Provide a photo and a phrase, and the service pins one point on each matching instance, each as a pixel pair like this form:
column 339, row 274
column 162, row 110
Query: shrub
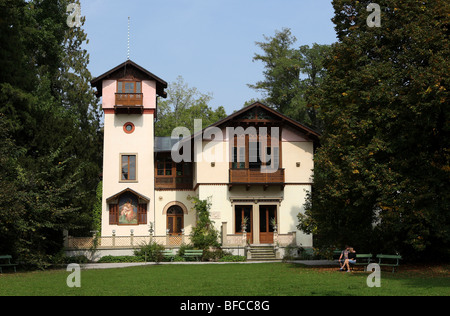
column 152, row 252
column 183, row 248
column 231, row 258
column 120, row 259
column 62, row 258
column 204, row 235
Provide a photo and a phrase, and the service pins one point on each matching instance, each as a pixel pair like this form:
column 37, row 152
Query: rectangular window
column 113, row 214
column 142, row 214
column 180, row 170
column 253, row 155
column 171, row 175
column 129, row 168
column 238, row 162
column 166, row 167
column 275, row 156
column 129, row 87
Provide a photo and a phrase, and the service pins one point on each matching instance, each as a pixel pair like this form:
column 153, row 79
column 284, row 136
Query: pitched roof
column 160, row 84
column 309, row 132
column 116, row 196
column 299, row 126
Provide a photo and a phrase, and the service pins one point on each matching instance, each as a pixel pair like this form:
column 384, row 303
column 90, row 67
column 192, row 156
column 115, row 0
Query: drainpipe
column 154, row 160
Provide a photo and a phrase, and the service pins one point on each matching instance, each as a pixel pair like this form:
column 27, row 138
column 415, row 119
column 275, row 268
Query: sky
column 210, row 43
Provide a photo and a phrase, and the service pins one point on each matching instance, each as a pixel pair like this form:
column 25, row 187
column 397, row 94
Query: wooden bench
column 363, row 259
column 193, row 254
column 336, row 255
column 392, row 261
column 308, row 253
column 9, row 264
column 168, row 254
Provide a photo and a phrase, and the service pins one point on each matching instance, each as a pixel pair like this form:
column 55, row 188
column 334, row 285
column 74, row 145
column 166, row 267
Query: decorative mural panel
column 128, row 209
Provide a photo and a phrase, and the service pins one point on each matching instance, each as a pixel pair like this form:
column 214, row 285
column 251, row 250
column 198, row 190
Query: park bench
column 389, row 260
column 308, row 253
column 336, row 255
column 168, row 254
column 4, row 264
column 363, row 259
column 193, row 254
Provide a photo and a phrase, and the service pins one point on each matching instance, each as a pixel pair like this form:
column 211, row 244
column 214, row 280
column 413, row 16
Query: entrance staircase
column 261, row 253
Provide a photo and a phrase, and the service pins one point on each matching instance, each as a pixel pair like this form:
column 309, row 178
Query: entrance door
column 266, row 215
column 243, row 213
column 175, row 219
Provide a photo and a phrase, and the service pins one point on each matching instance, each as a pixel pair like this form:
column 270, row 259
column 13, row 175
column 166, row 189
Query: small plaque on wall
column 216, row 215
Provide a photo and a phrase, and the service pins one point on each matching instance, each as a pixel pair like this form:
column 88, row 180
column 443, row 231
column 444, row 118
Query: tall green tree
column 290, row 73
column 282, row 65
column 49, row 112
column 382, row 172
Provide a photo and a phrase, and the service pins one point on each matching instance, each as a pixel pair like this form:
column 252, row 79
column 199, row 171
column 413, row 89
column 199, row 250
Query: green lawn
column 272, row 279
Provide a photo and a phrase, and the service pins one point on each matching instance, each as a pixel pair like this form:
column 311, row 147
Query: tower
column 129, row 100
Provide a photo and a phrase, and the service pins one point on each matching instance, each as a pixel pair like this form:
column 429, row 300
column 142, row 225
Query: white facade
column 143, row 189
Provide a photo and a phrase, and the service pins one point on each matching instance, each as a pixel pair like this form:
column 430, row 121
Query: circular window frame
column 132, row 128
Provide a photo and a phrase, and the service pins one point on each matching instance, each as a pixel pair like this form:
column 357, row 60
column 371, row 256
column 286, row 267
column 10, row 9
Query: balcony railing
column 255, row 176
column 180, row 183
column 129, row 99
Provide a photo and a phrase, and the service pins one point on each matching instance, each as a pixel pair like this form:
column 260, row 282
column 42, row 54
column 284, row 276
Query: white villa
column 146, row 191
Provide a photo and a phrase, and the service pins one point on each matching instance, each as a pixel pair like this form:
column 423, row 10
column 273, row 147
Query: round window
column 128, row 128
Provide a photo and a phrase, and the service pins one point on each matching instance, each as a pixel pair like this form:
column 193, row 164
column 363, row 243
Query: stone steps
column 262, row 253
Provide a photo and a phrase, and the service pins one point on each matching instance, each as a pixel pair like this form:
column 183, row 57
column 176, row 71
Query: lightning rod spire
column 128, row 48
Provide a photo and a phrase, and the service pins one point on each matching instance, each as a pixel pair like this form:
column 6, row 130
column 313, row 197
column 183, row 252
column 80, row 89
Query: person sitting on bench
column 344, row 257
column 351, row 259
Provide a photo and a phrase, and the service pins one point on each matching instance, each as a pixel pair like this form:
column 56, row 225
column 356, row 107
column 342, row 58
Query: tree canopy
column 50, row 131
column 382, row 171
column 290, row 73
column 182, row 106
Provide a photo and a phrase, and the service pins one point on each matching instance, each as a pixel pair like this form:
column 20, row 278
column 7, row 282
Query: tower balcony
column 129, row 103
column 129, row 99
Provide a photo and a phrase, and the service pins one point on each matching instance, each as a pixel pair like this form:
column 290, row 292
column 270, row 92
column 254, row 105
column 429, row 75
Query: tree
column 48, row 109
column 282, row 70
column 289, row 75
column 382, row 172
column 183, row 105
column 313, row 73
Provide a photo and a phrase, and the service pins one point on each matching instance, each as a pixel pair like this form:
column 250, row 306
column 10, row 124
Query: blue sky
column 210, row 43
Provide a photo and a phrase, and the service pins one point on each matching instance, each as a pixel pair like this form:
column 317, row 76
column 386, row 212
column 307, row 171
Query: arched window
column 175, row 220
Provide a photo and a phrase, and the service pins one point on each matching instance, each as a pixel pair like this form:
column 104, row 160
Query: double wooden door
column 267, row 214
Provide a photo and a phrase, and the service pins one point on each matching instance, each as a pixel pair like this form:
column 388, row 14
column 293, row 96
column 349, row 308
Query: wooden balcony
column 251, row 177
column 129, row 99
column 129, row 103
column 174, row 183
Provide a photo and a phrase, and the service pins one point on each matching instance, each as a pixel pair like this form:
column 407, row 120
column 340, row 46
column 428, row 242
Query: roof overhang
column 121, row 69
column 307, row 131
column 115, row 198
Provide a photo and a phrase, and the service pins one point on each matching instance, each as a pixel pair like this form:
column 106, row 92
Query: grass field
column 272, row 279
